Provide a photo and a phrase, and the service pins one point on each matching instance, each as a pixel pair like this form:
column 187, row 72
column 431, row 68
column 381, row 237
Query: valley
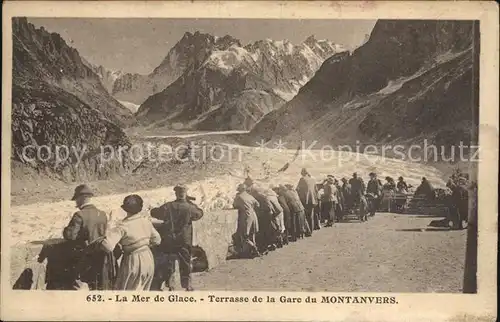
column 221, row 93
column 338, row 105
column 215, row 111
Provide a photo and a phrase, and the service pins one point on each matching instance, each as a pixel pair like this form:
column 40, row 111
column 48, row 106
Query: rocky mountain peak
column 227, row 41
column 193, row 37
column 310, row 41
column 201, row 39
column 63, row 59
column 228, row 79
column 191, row 50
column 187, row 35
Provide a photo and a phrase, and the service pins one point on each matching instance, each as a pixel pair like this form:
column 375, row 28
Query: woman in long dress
column 135, row 234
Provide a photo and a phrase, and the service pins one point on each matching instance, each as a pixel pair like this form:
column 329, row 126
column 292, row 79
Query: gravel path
column 390, row 253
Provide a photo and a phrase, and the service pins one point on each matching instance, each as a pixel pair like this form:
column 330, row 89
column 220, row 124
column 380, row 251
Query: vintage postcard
column 241, row 160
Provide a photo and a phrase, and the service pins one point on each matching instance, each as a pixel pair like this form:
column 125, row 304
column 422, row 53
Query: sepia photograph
column 178, row 155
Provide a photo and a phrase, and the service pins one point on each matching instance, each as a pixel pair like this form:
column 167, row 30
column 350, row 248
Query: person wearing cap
column 177, row 236
column 85, row 229
column 248, row 225
column 308, row 194
column 135, row 234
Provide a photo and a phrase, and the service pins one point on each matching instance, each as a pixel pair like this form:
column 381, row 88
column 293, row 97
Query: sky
column 138, row 45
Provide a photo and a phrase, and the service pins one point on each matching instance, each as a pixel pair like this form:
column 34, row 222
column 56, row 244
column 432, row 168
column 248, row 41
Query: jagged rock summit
column 228, row 86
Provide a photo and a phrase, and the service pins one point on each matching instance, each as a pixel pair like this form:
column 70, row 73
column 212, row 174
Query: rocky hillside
column 46, row 56
column 58, row 101
column 412, row 80
column 231, row 87
column 189, row 51
column 107, row 77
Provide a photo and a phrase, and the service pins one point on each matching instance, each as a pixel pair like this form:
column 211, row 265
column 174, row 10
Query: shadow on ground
column 424, row 230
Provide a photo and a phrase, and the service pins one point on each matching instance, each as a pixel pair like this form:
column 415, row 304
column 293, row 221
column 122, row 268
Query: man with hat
column 86, row 228
column 177, row 236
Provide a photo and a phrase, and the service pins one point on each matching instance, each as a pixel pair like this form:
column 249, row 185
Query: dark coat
column 93, row 265
column 247, row 207
column 177, row 226
column 347, row 196
column 402, row 186
column 87, row 225
column 460, row 198
column 298, row 218
column 293, row 201
column 265, row 206
column 426, row 189
column 307, row 190
column 374, row 187
column 357, row 186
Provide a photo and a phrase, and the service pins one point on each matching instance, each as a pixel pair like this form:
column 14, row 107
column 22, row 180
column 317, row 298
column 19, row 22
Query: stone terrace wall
column 213, row 233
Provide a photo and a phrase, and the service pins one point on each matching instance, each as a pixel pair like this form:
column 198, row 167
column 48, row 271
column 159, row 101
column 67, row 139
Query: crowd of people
column 269, row 218
column 137, row 255
column 133, row 255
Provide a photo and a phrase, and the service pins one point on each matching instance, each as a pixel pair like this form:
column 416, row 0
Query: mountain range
column 411, row 80
column 215, row 83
